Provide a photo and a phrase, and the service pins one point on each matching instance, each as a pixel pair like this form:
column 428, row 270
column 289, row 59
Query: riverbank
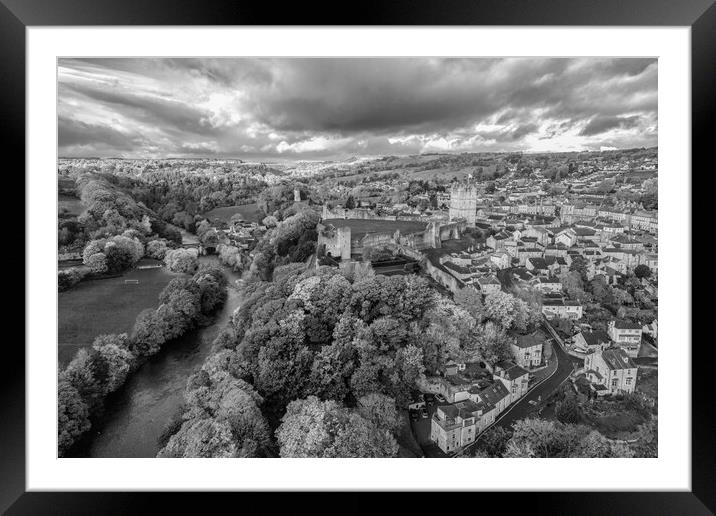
column 137, row 414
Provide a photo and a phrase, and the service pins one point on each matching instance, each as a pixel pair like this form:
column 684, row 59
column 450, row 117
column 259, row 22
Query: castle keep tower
column 463, row 203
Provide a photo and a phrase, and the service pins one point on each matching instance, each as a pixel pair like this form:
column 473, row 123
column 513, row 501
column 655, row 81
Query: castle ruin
column 463, row 203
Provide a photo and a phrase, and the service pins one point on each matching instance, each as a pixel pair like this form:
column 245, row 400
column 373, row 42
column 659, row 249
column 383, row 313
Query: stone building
column 463, row 203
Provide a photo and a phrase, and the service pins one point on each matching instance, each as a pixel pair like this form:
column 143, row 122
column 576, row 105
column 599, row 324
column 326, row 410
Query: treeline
column 172, row 186
column 175, row 192
column 96, row 372
column 292, row 239
column 539, row 438
column 110, row 211
column 114, row 232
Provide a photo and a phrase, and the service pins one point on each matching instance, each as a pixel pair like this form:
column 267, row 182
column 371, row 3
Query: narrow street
column 564, row 367
column 545, row 389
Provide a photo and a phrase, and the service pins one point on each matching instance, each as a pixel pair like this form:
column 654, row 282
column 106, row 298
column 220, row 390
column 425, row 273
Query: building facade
column 611, row 368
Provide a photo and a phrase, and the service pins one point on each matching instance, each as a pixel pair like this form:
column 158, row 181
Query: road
column 545, row 389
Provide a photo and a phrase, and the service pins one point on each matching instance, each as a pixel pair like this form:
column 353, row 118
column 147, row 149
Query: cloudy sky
column 284, row 109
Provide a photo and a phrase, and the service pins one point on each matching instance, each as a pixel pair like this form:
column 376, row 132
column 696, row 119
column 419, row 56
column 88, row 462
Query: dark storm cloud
column 312, row 108
column 601, row 124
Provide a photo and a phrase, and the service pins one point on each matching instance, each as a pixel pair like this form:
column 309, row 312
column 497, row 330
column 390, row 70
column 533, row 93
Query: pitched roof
column 537, row 262
column 616, row 358
column 527, row 341
column 626, row 325
column 596, row 337
column 512, row 370
column 494, row 393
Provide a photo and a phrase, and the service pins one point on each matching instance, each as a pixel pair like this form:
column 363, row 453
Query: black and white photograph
column 357, row 257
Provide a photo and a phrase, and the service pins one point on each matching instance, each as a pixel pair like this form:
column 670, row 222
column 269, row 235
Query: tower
column 463, row 203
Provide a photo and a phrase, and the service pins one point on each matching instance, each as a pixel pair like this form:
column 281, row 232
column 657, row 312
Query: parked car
column 440, row 398
column 424, row 412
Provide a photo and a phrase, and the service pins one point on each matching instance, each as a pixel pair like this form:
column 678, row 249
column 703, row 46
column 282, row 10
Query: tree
column 149, row 333
column 499, row 307
column 579, row 264
column 211, row 293
column 88, row 373
column 493, row 342
column 546, row 438
column 647, row 444
column 573, row 285
column 270, row 221
column 201, row 438
column 568, row 410
column 118, row 258
column 408, row 370
column 72, row 415
column 232, row 257
column 380, row 409
column 642, row 271
column 494, row 441
column 350, row 203
column 97, row 263
column 68, row 278
column 182, row 260
column 471, row 300
column 540, row 438
column 622, row 297
column 157, row 249
column 315, row 428
column 601, row 292
column 213, row 393
column 115, row 351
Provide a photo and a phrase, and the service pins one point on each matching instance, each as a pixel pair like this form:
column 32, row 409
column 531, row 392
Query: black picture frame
column 700, row 15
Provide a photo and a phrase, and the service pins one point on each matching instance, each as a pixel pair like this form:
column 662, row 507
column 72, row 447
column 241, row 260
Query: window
column 628, row 381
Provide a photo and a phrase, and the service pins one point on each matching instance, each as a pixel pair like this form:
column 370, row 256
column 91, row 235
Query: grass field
column 72, row 204
column 360, row 227
column 249, row 212
column 105, row 306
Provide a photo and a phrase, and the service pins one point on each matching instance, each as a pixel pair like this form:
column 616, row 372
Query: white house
column 566, row 237
column 569, row 309
column 611, row 368
column 626, row 335
column 452, row 427
column 527, row 350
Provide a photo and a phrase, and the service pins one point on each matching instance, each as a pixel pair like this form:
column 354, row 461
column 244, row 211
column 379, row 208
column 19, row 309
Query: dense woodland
column 343, row 352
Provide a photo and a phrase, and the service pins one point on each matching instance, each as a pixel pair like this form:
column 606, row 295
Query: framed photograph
column 276, row 250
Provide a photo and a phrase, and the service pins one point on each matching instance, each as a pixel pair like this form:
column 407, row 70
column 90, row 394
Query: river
column 136, row 415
